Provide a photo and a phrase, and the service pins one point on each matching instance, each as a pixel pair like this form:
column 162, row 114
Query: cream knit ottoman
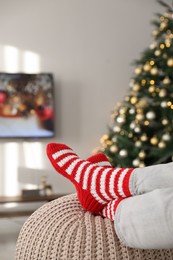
column 62, row 230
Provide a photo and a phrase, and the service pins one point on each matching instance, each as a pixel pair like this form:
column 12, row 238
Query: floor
column 9, row 231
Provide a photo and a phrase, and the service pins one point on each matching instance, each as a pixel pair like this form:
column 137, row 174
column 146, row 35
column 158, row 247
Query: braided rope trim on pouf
column 62, row 230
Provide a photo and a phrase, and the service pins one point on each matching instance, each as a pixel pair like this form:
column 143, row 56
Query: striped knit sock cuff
column 109, row 210
column 99, row 159
column 126, row 183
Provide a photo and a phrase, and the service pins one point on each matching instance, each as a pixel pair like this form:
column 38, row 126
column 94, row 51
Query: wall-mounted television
column 26, row 105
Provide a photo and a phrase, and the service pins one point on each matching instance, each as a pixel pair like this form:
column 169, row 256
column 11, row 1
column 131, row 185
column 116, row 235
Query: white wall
column 89, row 46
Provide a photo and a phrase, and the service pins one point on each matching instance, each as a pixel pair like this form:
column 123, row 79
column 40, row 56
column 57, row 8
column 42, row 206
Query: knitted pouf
column 62, row 230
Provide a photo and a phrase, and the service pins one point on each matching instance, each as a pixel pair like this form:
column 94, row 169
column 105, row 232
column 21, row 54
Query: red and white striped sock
column 95, row 185
column 109, row 210
column 99, row 159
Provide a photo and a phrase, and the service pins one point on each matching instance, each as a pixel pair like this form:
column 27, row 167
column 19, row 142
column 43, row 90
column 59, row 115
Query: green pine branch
column 165, row 5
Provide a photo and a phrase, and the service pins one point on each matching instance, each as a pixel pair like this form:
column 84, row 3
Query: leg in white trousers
column 146, row 221
column 153, row 177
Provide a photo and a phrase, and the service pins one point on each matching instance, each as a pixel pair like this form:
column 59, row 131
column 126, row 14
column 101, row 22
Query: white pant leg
column 146, row 221
column 153, row 177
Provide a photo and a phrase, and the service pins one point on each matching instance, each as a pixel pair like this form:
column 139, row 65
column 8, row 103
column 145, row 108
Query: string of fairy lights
column 143, row 119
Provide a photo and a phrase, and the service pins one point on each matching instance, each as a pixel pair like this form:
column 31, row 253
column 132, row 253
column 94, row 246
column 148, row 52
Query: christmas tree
column 140, row 132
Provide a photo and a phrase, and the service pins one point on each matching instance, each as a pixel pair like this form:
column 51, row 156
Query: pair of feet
column 100, row 188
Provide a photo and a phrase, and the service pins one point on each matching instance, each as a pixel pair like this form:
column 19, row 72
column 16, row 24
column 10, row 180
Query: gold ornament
column 138, row 70
column 144, row 138
column 140, row 117
column 162, row 26
column 142, row 103
column 147, row 67
column 143, row 82
column 170, row 62
column 166, row 81
column 116, row 129
column 161, row 145
column 157, row 53
column 104, row 138
column 162, row 18
column 142, row 154
column 130, row 135
column 151, row 62
column 152, row 82
column 108, row 142
column 114, row 148
column 162, row 46
column 165, row 121
column 133, row 100
column 153, row 45
column 146, row 122
column 162, row 93
column 138, row 143
column 123, row 110
column 155, row 33
column 141, row 164
column 154, row 140
column 136, row 162
column 151, row 89
column 139, row 110
column 136, row 87
column 168, row 45
column 154, row 71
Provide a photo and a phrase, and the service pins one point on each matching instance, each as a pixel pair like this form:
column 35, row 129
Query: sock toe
column 55, row 147
column 60, row 156
column 99, row 159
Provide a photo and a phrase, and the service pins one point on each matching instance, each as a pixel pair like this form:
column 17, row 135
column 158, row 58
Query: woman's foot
column 95, row 185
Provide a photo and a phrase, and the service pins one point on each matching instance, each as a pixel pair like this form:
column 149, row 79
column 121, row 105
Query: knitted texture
column 95, row 185
column 109, row 210
column 62, row 230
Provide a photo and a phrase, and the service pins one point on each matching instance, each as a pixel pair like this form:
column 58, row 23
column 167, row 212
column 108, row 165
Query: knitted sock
column 143, row 180
column 95, row 185
column 99, row 159
column 109, row 210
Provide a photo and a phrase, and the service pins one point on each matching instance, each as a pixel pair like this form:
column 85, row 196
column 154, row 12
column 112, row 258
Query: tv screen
column 26, row 105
